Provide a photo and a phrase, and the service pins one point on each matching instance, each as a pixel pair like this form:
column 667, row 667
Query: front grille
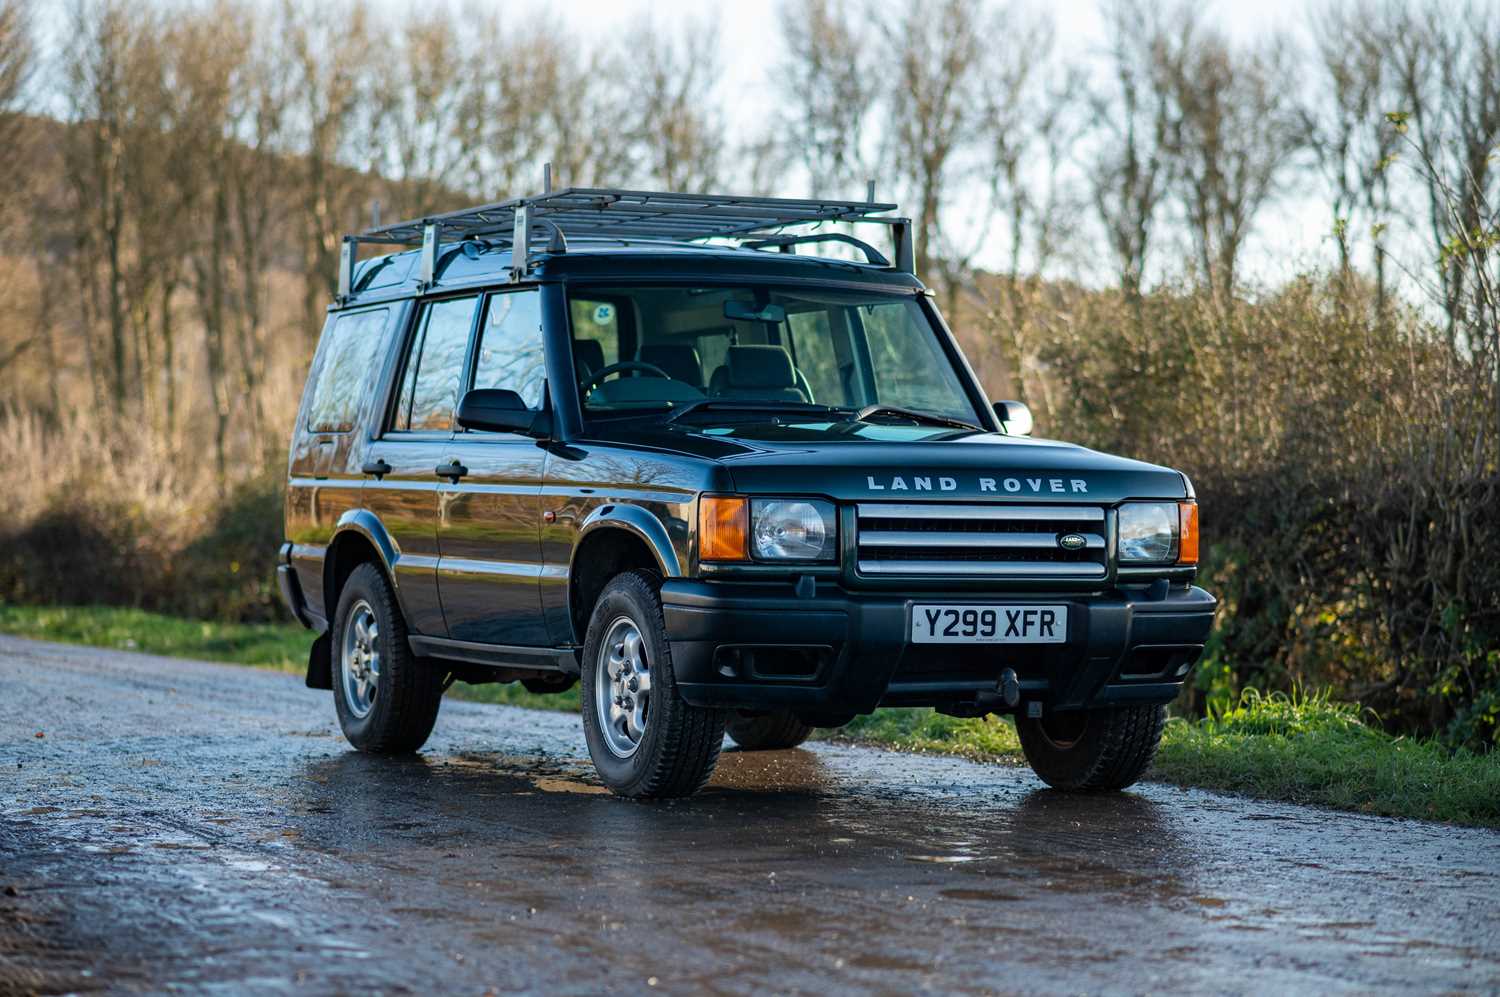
column 980, row 541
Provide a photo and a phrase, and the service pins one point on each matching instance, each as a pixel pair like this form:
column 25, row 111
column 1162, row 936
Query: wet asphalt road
column 204, row 827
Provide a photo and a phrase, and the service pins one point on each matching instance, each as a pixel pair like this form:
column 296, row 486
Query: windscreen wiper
column 930, row 418
column 751, row 405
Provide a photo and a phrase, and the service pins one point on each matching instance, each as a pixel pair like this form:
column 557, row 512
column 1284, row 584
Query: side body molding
column 642, row 523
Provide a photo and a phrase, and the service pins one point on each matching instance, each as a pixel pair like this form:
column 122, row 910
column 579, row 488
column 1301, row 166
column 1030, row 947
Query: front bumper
column 838, row 652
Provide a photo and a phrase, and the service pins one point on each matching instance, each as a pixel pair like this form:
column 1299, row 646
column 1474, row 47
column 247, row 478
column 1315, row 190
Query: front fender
column 638, row 521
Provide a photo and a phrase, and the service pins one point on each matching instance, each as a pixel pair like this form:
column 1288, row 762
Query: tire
column 651, row 746
column 767, row 731
column 1093, row 751
column 393, row 714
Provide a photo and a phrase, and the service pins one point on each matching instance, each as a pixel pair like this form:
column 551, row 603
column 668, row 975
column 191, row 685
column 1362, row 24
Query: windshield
column 658, row 349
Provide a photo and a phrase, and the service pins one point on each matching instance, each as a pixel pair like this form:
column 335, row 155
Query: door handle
column 377, row 467
column 452, row 470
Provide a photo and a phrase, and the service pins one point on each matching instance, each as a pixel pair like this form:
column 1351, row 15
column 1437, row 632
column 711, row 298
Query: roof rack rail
column 597, row 212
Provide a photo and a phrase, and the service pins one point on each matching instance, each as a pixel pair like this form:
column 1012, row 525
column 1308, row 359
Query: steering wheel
column 620, row 368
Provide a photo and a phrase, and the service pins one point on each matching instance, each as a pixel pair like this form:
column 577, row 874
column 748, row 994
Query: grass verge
column 279, row 646
column 1307, row 749
column 1302, row 749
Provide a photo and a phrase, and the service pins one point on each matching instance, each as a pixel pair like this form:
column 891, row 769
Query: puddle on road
column 989, row 896
column 569, row 786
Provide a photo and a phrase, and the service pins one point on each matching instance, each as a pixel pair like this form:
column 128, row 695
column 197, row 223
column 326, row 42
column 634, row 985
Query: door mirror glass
column 499, row 410
column 1015, row 418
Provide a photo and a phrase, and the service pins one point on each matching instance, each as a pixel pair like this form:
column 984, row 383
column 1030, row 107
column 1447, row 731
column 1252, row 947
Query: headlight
column 792, row 530
column 1148, row 532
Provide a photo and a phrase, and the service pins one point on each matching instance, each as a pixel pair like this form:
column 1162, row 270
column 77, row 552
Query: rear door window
column 351, row 353
column 435, row 367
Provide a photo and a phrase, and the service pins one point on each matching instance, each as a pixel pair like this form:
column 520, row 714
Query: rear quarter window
column 351, row 351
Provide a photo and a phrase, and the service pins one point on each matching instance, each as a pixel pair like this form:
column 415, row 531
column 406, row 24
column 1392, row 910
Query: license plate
column 934, row 624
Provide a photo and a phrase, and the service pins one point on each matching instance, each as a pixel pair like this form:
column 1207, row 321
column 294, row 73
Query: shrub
column 124, row 519
column 228, row 571
column 1344, row 452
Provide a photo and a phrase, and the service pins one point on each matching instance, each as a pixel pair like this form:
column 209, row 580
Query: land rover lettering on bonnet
column 722, row 464
column 1035, row 486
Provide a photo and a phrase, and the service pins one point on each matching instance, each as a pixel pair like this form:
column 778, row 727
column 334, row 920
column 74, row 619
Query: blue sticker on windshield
column 604, row 314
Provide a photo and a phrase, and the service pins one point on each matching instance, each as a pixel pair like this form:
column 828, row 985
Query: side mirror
column 1015, row 418
column 501, row 410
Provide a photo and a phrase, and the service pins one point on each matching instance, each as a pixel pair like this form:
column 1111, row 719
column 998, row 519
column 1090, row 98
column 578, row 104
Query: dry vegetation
column 177, row 177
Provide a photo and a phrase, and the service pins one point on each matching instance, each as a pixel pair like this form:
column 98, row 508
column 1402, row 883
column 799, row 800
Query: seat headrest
column 760, row 367
column 588, row 356
column 678, row 359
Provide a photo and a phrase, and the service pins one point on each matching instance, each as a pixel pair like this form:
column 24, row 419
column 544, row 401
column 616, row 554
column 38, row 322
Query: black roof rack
column 596, row 212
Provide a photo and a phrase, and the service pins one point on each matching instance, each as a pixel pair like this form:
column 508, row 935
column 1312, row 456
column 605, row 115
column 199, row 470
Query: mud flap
column 320, row 663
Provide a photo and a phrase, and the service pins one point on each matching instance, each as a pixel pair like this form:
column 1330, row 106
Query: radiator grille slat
column 945, row 538
column 977, row 541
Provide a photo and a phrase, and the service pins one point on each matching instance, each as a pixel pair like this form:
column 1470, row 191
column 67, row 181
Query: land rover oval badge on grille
column 1072, row 541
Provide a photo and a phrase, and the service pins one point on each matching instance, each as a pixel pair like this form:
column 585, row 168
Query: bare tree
column 559, row 100
column 1026, row 125
column 1232, row 132
column 105, row 71
column 210, row 49
column 256, row 185
column 579, row 94
column 330, row 70
column 420, row 132
column 501, row 113
column 1446, row 61
column 1130, row 169
column 674, row 114
column 17, row 59
column 934, row 109
column 826, row 82
column 1342, row 124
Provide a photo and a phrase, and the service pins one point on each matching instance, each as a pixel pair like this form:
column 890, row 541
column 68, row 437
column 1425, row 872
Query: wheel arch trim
column 367, row 525
column 635, row 520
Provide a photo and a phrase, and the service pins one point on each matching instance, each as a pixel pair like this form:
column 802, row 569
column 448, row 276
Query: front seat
column 757, row 372
column 588, row 358
column 680, row 360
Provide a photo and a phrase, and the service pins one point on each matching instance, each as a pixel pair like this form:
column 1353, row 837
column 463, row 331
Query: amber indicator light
column 1188, row 547
column 723, row 528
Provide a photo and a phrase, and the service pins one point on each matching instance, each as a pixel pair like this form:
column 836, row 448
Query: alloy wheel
column 622, row 688
column 359, row 660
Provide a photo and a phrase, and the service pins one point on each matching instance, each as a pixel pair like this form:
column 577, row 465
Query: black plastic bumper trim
column 291, row 592
column 873, row 663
